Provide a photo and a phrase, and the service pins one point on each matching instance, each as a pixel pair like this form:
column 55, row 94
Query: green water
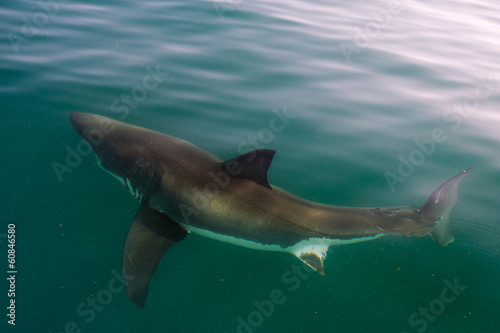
column 369, row 84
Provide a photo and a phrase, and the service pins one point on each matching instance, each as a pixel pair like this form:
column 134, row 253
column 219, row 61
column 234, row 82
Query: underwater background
column 385, row 100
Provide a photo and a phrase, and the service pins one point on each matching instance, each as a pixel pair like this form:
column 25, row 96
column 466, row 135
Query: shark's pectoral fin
column 313, row 256
column 151, row 234
column 252, row 165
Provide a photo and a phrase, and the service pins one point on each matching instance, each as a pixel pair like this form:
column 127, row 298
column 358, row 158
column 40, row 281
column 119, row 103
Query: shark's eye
column 94, row 136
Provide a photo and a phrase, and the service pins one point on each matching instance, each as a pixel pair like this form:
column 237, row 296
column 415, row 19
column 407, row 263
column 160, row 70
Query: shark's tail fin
column 439, row 206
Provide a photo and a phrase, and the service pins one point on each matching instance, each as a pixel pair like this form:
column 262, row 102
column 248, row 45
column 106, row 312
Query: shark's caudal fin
column 152, row 233
column 439, row 206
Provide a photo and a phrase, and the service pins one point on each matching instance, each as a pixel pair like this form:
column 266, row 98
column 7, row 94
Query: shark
column 184, row 189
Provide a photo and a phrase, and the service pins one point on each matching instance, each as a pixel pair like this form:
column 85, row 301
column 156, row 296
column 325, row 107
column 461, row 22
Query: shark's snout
column 74, row 121
column 78, row 121
column 92, row 127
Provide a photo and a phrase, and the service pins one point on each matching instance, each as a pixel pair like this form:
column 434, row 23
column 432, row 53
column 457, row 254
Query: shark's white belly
column 306, row 245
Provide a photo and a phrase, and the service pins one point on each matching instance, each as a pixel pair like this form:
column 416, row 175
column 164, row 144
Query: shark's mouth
column 134, row 190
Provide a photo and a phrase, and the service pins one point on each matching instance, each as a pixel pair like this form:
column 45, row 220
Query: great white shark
column 183, row 188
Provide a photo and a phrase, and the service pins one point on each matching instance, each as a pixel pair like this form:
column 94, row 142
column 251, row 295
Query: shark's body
column 183, row 189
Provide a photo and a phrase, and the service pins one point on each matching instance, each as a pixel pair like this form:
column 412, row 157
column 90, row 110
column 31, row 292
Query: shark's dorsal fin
column 152, row 233
column 252, row 165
